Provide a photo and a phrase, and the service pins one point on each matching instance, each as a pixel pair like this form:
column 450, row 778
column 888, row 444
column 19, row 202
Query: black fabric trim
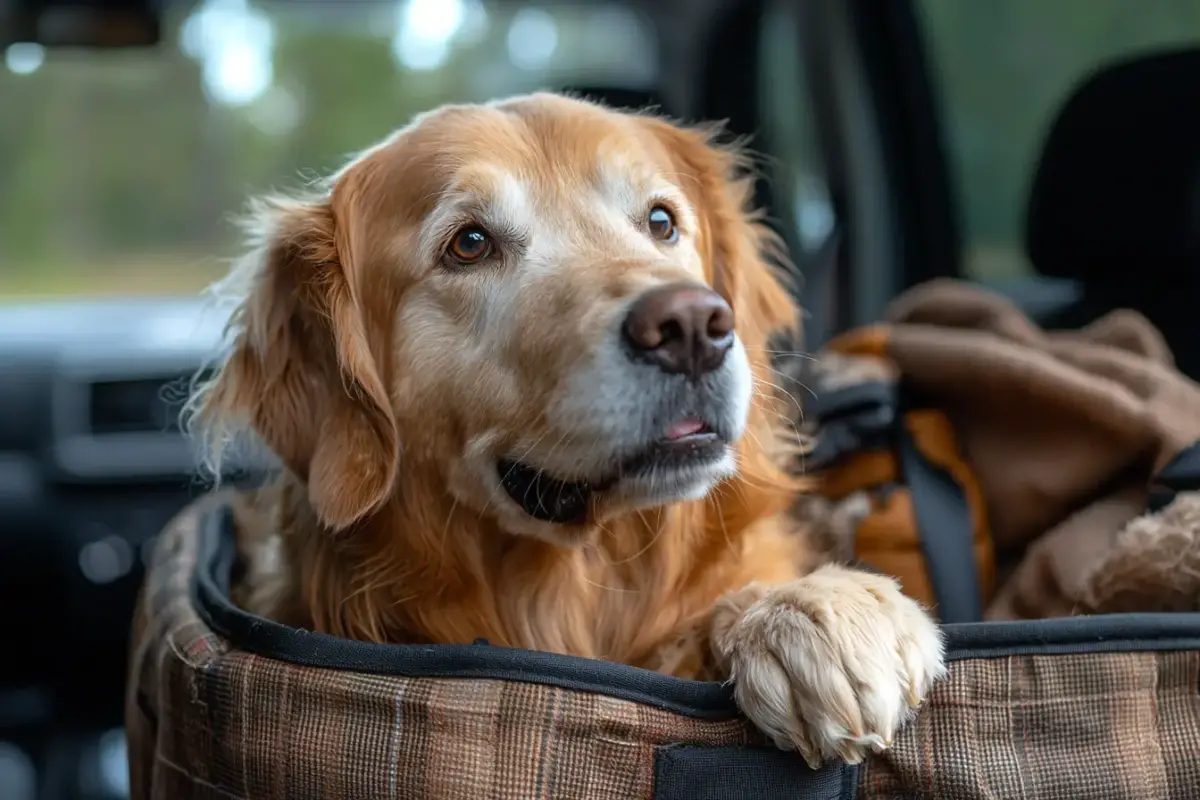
column 1074, row 649
column 210, row 596
column 685, row 772
column 1160, row 499
column 855, row 399
column 850, row 420
column 1109, row 633
column 1182, row 473
column 943, row 520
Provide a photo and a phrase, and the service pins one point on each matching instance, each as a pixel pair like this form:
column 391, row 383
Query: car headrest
column 1117, row 191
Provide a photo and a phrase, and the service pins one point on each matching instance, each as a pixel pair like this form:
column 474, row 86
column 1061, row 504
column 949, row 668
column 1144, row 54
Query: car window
column 1003, row 70
column 121, row 169
column 789, row 127
column 801, row 208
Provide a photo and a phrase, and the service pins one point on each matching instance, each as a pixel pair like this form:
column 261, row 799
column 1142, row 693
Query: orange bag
column 928, row 524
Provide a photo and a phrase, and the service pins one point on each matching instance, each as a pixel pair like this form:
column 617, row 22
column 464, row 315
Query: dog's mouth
column 689, row 443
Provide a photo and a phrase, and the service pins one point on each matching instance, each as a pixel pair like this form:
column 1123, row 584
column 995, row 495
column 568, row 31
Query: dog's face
column 542, row 299
column 559, row 315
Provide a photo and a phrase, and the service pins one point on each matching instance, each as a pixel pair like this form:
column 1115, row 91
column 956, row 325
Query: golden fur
column 376, row 377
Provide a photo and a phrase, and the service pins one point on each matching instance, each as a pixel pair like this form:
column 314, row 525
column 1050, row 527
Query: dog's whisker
column 788, row 394
column 487, row 504
column 725, row 528
column 645, row 549
column 799, row 356
column 795, row 380
column 791, row 425
column 564, row 438
column 442, row 538
column 602, row 556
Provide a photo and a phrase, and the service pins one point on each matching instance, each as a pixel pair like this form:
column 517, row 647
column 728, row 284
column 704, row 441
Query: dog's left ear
column 307, row 368
column 744, row 256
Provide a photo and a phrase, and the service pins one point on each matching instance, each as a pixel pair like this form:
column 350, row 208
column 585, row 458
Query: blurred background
column 120, row 168
column 908, row 131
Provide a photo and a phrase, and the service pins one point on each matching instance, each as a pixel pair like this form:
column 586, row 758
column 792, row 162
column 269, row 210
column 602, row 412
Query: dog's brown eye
column 662, row 225
column 470, row 245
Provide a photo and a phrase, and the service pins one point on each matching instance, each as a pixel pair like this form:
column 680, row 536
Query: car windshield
column 122, row 168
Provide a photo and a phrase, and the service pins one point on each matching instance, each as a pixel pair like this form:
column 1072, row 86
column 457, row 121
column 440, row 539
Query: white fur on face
column 606, row 407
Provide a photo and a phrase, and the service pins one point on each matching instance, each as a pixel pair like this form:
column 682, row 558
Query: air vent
column 116, row 416
column 141, row 405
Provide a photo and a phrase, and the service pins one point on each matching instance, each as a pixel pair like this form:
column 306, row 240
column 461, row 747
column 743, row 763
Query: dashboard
column 92, row 465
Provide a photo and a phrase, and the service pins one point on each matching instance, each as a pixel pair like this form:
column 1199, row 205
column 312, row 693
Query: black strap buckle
column 850, row 420
column 1181, row 474
column 868, row 416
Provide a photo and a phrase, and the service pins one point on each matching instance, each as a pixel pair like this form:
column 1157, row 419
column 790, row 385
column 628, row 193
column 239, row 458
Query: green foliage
column 110, row 162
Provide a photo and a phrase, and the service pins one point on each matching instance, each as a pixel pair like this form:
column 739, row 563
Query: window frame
column 880, row 140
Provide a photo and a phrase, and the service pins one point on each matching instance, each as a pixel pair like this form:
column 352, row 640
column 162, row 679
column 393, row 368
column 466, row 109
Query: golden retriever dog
column 514, row 364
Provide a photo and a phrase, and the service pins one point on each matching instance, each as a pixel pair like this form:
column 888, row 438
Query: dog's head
column 561, row 309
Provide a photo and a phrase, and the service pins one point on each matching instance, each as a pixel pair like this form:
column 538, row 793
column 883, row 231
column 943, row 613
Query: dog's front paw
column 831, row 664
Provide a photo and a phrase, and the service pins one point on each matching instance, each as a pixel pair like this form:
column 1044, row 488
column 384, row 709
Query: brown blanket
column 1065, row 431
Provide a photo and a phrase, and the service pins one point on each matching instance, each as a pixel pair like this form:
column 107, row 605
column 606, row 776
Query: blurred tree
column 118, row 171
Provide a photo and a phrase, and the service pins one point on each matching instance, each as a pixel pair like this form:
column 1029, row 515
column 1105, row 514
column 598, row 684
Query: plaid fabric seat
column 211, row 718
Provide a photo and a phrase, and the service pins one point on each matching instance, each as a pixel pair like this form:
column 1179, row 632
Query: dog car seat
column 1115, row 200
column 224, row 704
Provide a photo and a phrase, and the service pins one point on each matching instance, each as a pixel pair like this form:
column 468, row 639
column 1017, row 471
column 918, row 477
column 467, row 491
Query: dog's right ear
column 300, row 374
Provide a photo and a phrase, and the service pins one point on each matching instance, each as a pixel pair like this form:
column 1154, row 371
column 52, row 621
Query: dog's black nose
column 683, row 328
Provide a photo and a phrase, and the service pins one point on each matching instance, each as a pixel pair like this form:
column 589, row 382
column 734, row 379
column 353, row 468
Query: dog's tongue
column 685, row 427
